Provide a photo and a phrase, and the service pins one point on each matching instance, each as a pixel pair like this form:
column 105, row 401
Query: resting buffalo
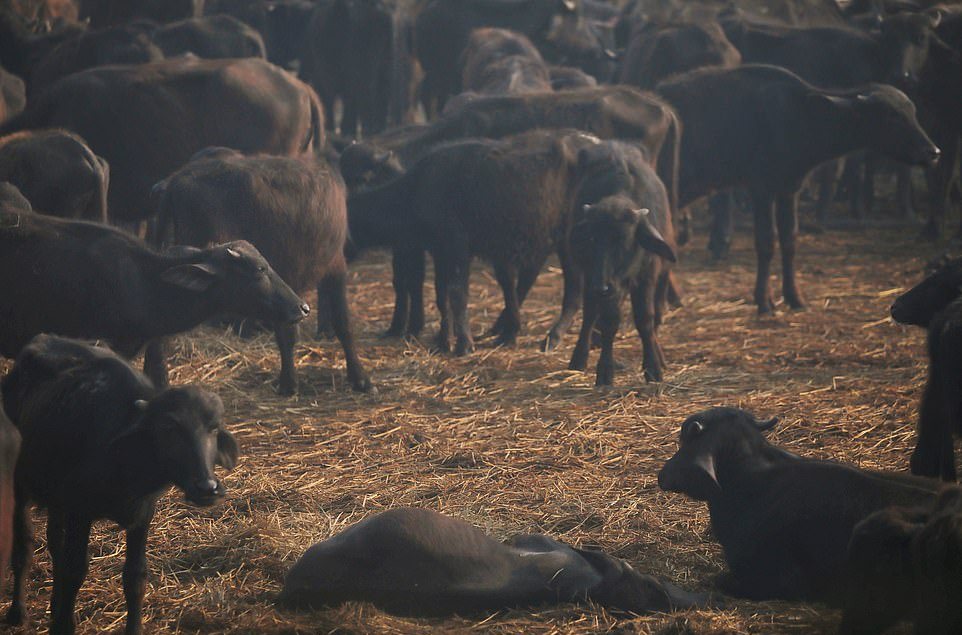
column 148, row 120
column 100, row 442
column 773, row 130
column 783, row 521
column 293, row 210
column 906, row 563
column 57, row 173
column 501, row 62
column 934, row 304
column 419, row 562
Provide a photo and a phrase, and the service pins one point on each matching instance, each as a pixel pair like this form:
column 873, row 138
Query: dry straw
column 511, row 441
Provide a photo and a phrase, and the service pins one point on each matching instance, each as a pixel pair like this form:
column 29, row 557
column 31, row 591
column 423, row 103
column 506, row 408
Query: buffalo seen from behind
column 101, row 442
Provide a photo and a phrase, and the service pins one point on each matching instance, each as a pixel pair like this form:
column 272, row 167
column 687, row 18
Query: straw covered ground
column 511, row 441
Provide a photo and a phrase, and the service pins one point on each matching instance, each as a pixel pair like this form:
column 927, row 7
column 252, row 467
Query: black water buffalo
column 125, row 44
column 101, row 443
column 283, row 24
column 906, row 564
column 501, row 62
column 656, row 52
column 419, row 562
column 13, row 95
column 57, row 173
column 783, row 521
column 293, row 210
column 9, row 449
column 110, row 12
column 210, row 37
column 147, row 120
column 624, row 244
column 935, row 304
column 442, row 28
column 112, row 287
column 895, row 55
column 359, row 51
column 510, row 202
column 773, row 130
column 11, row 198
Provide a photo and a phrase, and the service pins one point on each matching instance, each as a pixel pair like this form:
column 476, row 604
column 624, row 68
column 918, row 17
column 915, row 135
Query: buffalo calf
column 101, row 443
column 419, row 562
column 906, row 564
column 935, row 305
column 293, row 210
column 88, row 280
column 783, row 521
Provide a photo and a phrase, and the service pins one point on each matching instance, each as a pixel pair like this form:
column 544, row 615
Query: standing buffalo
column 773, row 129
column 148, row 120
column 292, row 209
column 934, row 304
column 88, row 280
column 100, row 442
column 57, row 173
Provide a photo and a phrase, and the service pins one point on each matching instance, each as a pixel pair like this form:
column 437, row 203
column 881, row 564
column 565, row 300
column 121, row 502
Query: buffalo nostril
column 305, row 309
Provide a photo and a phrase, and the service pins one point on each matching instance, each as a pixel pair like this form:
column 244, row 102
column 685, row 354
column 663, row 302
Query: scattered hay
column 513, row 442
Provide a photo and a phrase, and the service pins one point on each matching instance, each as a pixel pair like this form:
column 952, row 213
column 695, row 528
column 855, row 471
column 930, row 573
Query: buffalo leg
column 416, row 294
column 939, row 180
column 927, row 455
column 570, row 302
column 458, row 295
column 608, row 322
column 408, row 281
column 721, row 210
column 74, row 571
column 286, row 337
column 55, row 541
column 589, row 316
column 135, row 577
column 764, row 250
column 324, row 329
column 787, row 218
column 335, row 285
column 155, row 362
column 21, row 555
column 441, row 284
column 903, row 174
column 508, row 324
column 643, row 305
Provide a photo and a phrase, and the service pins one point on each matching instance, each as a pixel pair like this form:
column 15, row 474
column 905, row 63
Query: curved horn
column 766, row 425
column 233, row 253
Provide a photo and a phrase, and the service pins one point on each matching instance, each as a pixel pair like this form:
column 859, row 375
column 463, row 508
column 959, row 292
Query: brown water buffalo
column 294, row 210
column 418, row 562
column 147, row 120
column 57, row 173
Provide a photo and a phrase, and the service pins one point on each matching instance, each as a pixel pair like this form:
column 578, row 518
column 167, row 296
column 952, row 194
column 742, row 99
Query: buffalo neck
column 171, row 308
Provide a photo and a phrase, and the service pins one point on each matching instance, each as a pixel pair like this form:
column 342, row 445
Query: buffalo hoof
column 14, row 616
column 325, row 333
column 550, row 342
column 362, row 384
column 654, row 375
column 506, row 339
column 392, row 333
column 930, row 232
column 463, row 347
column 287, row 388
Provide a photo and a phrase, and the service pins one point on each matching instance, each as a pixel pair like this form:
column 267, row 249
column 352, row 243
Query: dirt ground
column 510, row 440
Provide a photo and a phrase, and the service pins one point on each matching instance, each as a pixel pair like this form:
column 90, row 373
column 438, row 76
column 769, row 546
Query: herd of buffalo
column 164, row 163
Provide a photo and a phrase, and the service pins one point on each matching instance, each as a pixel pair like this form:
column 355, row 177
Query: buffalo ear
column 651, row 239
column 766, row 425
column 705, row 463
column 227, row 449
column 193, row 277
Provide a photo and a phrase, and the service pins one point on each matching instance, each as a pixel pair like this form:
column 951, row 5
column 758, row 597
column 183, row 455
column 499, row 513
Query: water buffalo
column 782, row 534
column 147, row 120
column 100, row 442
column 419, row 562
